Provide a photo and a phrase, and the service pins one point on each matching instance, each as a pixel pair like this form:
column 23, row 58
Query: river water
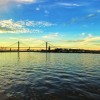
column 51, row 76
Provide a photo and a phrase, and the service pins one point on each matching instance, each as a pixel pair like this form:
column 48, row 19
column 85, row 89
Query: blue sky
column 66, row 23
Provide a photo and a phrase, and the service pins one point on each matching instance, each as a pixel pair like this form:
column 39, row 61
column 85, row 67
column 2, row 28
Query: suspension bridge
column 22, row 47
column 44, row 47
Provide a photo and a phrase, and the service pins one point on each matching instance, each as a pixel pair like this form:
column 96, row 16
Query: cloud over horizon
column 51, row 36
column 23, row 26
column 5, row 4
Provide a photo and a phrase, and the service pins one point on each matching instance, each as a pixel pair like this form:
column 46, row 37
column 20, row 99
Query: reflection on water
column 49, row 76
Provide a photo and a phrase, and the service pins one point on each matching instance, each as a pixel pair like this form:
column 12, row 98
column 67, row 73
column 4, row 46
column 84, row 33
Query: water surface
column 51, row 76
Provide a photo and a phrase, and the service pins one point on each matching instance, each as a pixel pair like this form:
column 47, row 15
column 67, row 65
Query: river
column 51, row 76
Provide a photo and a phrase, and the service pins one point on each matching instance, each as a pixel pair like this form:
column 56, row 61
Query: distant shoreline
column 50, row 52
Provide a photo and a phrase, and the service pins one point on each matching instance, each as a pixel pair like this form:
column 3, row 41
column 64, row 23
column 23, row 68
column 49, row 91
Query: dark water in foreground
column 40, row 76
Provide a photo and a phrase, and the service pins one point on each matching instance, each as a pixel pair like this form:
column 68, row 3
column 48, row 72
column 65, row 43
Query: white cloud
column 85, row 43
column 10, row 26
column 37, row 9
column 98, row 11
column 24, row 26
column 91, row 16
column 69, row 4
column 46, row 12
column 25, row 1
column 86, row 34
column 19, row 5
column 92, row 39
column 51, row 36
column 36, row 23
column 84, row 18
column 45, row 24
column 83, row 34
column 89, row 35
column 24, row 39
column 5, row 4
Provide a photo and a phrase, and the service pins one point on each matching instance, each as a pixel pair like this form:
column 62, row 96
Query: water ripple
column 40, row 76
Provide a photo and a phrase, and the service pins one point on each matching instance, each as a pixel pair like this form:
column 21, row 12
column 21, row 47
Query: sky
column 63, row 23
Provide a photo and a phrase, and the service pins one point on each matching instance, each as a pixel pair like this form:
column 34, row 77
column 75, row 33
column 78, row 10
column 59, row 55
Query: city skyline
column 68, row 23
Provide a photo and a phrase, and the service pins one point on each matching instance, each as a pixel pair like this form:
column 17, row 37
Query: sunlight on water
column 52, row 76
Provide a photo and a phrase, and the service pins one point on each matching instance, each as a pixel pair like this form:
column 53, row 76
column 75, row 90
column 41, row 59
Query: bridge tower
column 18, row 46
column 49, row 48
column 46, row 46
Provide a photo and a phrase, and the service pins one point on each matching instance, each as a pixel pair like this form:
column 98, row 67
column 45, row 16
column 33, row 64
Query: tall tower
column 18, row 46
column 46, row 46
column 49, row 48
